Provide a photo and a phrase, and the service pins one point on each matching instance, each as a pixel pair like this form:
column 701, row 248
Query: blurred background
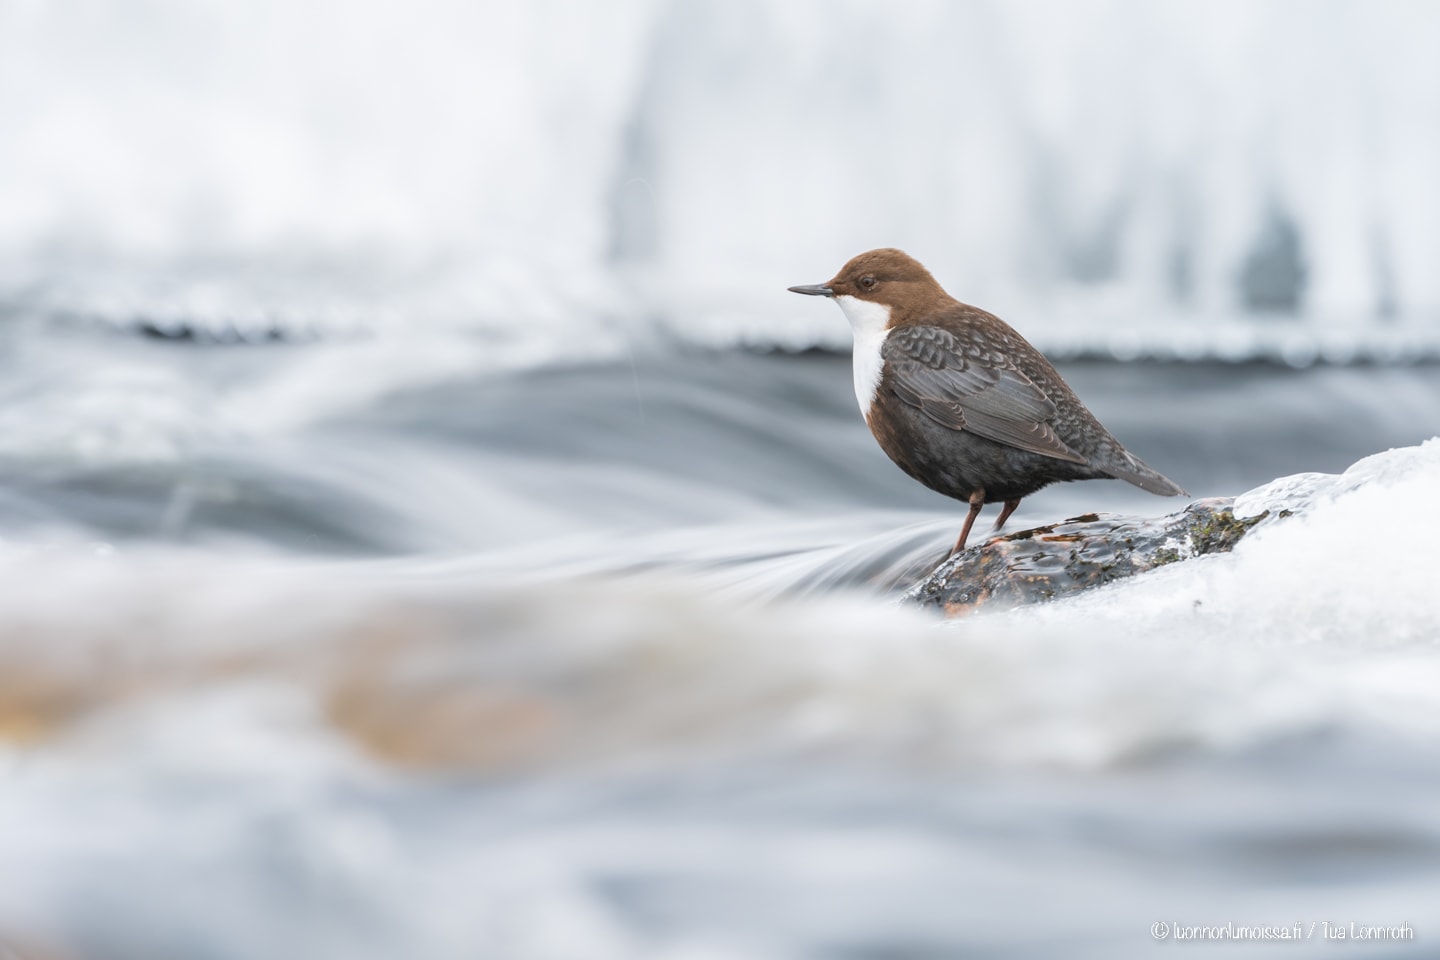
column 242, row 166
column 430, row 528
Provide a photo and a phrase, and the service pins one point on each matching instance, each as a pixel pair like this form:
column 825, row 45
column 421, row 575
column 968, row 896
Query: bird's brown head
column 887, row 276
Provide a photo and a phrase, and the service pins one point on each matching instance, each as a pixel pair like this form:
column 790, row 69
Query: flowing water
column 385, row 647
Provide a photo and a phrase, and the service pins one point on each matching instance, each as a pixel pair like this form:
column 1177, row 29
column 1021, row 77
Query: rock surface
column 1078, row 554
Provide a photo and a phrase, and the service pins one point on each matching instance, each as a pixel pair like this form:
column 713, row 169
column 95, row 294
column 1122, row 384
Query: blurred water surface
column 405, row 647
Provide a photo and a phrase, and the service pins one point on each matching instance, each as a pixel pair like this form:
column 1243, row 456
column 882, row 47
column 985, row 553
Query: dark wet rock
column 1078, row 554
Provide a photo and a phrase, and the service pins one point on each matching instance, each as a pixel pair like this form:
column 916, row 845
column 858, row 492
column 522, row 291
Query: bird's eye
column 867, row 283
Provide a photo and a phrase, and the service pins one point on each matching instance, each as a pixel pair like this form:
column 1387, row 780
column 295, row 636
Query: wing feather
column 970, row 386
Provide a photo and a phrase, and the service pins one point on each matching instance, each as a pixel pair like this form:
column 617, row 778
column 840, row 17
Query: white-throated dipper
column 959, row 400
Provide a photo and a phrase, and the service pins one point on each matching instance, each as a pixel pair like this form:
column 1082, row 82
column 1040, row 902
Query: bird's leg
column 977, row 500
column 1009, row 508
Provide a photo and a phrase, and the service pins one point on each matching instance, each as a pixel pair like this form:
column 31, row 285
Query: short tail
column 1132, row 469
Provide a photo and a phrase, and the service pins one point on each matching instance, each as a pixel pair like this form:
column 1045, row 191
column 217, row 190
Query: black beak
column 813, row 290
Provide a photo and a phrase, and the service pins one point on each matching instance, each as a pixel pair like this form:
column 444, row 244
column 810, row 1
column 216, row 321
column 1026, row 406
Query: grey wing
column 969, row 387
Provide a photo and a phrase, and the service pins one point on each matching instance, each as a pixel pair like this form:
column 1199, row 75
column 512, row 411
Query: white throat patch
column 870, row 323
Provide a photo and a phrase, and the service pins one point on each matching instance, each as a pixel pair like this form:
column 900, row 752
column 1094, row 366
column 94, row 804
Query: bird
column 960, row 400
